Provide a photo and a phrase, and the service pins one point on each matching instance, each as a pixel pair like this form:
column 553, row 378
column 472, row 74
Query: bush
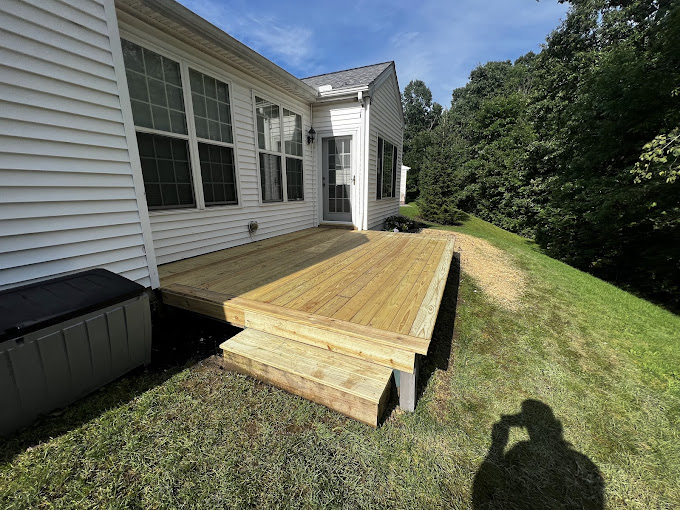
column 402, row 223
column 445, row 214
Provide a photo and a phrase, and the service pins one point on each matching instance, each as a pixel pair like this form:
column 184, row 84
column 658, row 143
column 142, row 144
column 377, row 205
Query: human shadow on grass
column 542, row 473
column 180, row 339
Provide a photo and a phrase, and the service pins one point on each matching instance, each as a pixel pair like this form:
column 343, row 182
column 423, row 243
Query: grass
column 603, row 361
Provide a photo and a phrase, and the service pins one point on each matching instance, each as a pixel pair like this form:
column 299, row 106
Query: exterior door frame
column 357, row 172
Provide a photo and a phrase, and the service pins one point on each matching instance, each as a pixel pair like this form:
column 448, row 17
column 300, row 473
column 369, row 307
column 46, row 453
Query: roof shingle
column 349, row 78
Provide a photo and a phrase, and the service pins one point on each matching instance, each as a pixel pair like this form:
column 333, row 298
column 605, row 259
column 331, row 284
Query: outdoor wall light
column 311, row 135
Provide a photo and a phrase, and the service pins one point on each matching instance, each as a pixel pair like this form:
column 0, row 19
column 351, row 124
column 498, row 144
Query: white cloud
column 287, row 44
column 292, row 43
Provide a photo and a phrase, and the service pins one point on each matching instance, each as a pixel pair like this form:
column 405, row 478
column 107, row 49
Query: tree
column 577, row 146
column 421, row 117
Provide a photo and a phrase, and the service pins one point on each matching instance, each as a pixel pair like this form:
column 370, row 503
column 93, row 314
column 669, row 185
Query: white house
column 135, row 133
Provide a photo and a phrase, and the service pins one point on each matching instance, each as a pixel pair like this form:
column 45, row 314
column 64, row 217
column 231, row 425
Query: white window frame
column 282, row 154
column 193, row 140
column 378, row 185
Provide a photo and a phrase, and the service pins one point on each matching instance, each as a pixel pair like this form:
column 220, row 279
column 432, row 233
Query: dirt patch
column 489, row 266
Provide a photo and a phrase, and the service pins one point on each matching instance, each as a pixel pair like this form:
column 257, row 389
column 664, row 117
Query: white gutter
column 366, row 100
column 315, row 186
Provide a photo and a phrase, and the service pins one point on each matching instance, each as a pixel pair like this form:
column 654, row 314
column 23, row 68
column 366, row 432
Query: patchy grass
column 602, row 361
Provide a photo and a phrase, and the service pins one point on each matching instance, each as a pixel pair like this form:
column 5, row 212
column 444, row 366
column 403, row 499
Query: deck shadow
column 265, row 256
column 442, row 336
column 180, row 339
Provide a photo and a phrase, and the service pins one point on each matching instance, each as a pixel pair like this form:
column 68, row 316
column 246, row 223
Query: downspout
column 366, row 102
column 312, row 148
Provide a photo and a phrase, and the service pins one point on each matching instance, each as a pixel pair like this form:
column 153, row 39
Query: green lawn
column 606, row 363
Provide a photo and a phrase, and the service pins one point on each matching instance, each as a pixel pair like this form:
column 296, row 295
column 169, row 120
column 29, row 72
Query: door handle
column 354, row 179
column 323, row 181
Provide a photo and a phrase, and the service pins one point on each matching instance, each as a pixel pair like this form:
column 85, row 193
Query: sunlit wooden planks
column 356, row 388
column 389, row 282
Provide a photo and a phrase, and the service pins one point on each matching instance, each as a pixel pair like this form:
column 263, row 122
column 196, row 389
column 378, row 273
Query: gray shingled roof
column 357, row 77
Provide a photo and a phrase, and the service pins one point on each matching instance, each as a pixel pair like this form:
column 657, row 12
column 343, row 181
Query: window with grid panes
column 166, row 143
column 387, row 169
column 292, row 138
column 212, row 118
column 281, row 166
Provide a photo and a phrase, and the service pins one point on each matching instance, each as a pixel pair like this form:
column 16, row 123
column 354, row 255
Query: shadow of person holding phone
column 544, row 472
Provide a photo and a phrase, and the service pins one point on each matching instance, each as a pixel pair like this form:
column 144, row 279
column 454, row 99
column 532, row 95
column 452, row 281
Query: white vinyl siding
column 184, row 233
column 385, row 122
column 337, row 117
column 67, row 194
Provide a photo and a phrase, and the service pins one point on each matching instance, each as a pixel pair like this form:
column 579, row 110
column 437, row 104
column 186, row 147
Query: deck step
column 385, row 348
column 354, row 387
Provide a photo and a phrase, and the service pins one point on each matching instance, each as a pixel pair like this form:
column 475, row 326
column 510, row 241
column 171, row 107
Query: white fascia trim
column 340, row 95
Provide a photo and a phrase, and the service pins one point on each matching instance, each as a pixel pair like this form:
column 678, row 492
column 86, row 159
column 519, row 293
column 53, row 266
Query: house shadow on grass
column 442, row 336
column 180, row 339
column 543, row 472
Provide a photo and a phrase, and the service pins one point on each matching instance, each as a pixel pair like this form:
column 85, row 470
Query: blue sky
column 438, row 42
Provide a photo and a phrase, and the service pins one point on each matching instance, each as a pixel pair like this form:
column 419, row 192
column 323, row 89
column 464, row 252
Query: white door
column 337, row 178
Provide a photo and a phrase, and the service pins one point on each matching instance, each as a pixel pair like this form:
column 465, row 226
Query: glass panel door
column 337, row 178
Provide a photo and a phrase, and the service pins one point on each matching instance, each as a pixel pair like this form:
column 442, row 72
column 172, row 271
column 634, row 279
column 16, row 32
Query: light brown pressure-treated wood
column 373, row 296
column 353, row 387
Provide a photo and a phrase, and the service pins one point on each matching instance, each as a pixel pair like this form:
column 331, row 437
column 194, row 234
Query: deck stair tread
column 352, row 386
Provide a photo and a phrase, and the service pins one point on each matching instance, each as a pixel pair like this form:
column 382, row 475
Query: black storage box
column 62, row 338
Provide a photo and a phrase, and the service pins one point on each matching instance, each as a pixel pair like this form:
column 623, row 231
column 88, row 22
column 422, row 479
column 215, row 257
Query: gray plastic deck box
column 63, row 338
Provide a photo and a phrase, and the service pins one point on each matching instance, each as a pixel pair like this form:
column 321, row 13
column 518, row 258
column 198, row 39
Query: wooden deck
column 368, row 295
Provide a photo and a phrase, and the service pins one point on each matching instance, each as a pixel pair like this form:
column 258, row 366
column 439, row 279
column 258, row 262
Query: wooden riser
column 385, row 348
column 353, row 387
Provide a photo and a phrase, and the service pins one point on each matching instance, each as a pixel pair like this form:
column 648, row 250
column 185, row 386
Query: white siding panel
column 35, row 128
column 337, row 117
column 67, row 194
column 70, row 208
column 49, row 101
column 385, row 121
column 18, row 60
column 19, row 44
column 15, row 24
column 17, row 112
column 61, row 164
column 22, row 226
column 27, row 79
column 37, row 178
column 55, row 21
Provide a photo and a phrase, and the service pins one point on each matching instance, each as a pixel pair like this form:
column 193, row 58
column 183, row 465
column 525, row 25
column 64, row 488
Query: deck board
column 383, row 281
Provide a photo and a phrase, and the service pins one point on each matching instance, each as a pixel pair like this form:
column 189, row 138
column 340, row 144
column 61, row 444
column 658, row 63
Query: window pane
column 268, row 125
column 388, row 158
column 292, row 132
column 270, row 178
column 154, row 80
column 166, row 170
column 379, row 170
column 212, row 114
column 141, row 112
column 294, row 180
column 218, row 174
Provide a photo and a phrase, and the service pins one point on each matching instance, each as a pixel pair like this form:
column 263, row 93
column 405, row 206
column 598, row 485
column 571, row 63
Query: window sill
column 193, row 210
column 281, row 202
